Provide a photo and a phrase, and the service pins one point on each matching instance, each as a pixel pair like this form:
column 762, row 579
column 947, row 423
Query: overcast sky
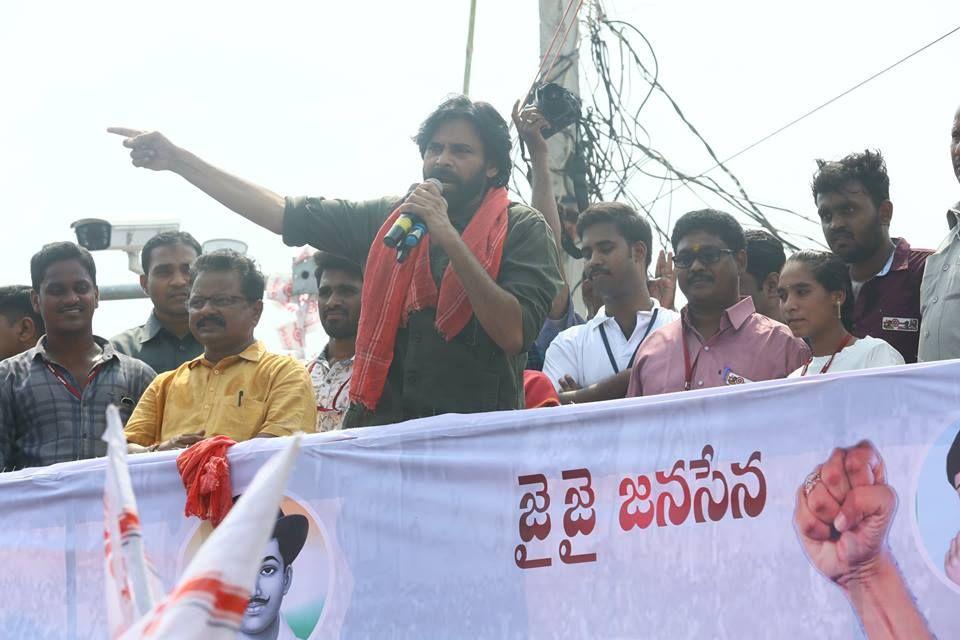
column 322, row 98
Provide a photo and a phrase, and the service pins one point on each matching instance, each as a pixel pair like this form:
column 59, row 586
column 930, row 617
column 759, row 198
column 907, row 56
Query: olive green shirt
column 428, row 375
column 159, row 348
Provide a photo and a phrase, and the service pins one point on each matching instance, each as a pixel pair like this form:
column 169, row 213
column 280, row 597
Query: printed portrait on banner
column 936, row 507
column 293, row 579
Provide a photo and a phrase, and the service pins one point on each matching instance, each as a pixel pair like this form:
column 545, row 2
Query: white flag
column 210, row 600
column 132, row 585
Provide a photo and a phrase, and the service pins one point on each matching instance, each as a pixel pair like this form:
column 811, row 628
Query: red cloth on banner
column 392, row 291
column 538, row 390
column 205, row 472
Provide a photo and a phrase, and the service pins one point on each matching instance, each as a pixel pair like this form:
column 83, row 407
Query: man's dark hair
column 490, row 126
column 867, row 168
column 833, row 274
column 723, row 225
column 325, row 260
column 166, row 239
column 291, row 532
column 15, row 304
column 59, row 252
column 631, row 225
column 764, row 254
column 252, row 282
column 953, row 461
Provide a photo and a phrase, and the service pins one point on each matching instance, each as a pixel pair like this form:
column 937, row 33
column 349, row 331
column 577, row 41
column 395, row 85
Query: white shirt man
column 594, row 351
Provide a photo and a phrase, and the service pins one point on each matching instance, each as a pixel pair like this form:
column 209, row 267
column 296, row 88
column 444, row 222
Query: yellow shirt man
column 242, row 396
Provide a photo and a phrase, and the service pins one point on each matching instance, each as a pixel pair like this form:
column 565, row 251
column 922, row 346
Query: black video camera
column 560, row 107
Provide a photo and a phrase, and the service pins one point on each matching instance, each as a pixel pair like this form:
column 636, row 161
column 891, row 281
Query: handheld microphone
column 403, row 252
column 405, row 224
column 394, row 237
column 415, row 235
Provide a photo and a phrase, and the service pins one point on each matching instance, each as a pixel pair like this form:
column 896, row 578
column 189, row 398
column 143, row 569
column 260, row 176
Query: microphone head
column 436, row 183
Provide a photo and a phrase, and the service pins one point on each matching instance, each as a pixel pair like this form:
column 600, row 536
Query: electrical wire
column 616, row 150
column 823, row 105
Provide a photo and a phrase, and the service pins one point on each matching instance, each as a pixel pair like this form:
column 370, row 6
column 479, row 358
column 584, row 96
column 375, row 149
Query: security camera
column 96, row 234
column 93, row 234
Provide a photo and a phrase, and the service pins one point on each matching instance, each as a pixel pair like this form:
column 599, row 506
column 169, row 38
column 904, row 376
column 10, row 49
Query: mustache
column 836, row 235
column 699, row 277
column 257, row 600
column 72, row 307
column 330, row 310
column 444, row 176
column 596, row 271
column 211, row 320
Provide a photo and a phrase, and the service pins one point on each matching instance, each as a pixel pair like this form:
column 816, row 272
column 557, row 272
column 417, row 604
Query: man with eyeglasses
column 719, row 339
column 236, row 388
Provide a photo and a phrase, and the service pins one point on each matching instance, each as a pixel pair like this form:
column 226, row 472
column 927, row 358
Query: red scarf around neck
column 392, row 291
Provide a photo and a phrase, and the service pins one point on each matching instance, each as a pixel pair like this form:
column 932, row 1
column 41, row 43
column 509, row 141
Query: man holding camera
column 447, row 329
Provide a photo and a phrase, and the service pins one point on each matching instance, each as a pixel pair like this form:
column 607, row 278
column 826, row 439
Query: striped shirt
column 42, row 421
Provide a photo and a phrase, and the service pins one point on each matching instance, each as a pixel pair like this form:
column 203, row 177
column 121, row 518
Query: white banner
column 670, row 516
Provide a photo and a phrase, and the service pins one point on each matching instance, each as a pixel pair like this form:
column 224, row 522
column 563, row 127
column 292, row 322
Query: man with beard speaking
column 447, row 329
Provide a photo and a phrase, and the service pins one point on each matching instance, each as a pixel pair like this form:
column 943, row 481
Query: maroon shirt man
column 853, row 201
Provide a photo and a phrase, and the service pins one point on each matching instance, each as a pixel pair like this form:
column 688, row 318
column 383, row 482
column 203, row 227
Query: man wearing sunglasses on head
column 719, row 339
column 236, row 388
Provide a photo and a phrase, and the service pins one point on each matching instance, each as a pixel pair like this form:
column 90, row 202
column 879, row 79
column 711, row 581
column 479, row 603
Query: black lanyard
column 606, row 343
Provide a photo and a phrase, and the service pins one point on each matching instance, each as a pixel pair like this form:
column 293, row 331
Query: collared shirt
column 331, row 383
column 888, row 305
column 241, row 396
column 157, row 346
column 430, row 375
column 580, row 351
column 748, row 347
column 858, row 285
column 940, row 298
column 43, row 421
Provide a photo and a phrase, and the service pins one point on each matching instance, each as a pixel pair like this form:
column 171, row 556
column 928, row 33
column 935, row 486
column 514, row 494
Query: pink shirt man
column 749, row 347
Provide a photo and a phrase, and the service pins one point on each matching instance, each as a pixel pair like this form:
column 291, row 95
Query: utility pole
column 468, row 61
column 566, row 73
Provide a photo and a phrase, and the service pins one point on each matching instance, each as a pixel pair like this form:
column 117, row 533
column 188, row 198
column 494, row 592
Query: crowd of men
column 501, row 306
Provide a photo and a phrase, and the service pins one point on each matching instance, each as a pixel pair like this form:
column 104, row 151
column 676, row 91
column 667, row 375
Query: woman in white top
column 816, row 300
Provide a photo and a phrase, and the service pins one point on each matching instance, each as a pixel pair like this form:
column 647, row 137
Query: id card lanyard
column 76, row 393
column 688, row 367
column 606, row 343
column 843, row 343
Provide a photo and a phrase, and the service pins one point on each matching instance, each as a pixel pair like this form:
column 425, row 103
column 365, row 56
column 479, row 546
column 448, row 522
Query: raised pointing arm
column 152, row 150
